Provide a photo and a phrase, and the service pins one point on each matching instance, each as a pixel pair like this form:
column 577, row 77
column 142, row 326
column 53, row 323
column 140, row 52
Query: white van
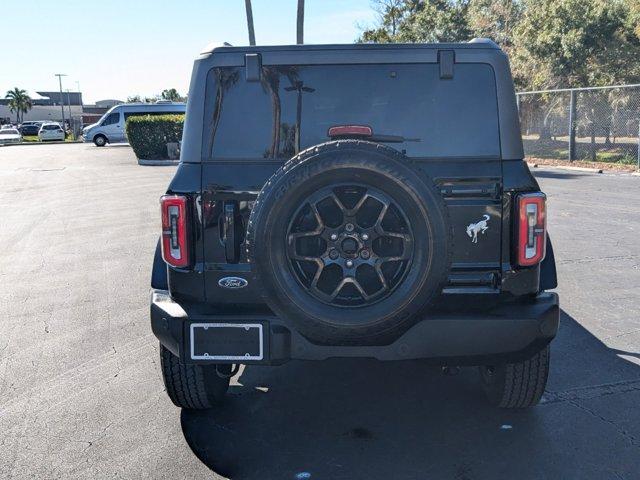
column 110, row 128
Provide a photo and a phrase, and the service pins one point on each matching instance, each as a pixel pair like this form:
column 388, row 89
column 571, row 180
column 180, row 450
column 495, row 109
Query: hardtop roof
column 476, row 43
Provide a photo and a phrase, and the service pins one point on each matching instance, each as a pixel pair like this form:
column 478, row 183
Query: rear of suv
column 353, row 201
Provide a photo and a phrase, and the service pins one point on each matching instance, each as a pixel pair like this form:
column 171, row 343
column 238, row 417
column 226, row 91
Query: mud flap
column 159, row 272
column 548, row 276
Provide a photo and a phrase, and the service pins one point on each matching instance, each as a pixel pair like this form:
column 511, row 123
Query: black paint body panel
column 471, row 188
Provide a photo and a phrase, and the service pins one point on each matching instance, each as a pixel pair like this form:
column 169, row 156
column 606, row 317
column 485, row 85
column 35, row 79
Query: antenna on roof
column 252, row 33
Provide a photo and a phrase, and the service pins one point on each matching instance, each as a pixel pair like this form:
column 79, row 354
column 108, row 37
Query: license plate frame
column 209, row 327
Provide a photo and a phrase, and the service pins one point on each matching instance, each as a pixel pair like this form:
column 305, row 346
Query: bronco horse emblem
column 480, row 227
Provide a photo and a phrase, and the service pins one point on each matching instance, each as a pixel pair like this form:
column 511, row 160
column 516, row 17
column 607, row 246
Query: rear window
column 293, row 107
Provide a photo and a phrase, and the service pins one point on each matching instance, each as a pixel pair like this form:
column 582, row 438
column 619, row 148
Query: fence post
column 572, row 126
column 638, row 146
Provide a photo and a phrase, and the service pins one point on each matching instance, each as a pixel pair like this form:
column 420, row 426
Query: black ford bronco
column 353, row 201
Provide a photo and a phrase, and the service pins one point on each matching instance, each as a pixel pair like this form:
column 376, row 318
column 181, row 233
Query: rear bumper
column 503, row 334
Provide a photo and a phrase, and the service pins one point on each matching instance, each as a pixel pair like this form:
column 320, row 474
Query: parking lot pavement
column 81, row 395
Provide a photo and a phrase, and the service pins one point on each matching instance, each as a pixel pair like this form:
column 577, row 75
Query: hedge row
column 148, row 135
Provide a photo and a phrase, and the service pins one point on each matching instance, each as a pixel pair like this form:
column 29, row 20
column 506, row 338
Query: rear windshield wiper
column 392, row 139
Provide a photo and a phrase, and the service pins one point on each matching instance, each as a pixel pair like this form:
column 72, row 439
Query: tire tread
column 524, row 382
column 186, row 385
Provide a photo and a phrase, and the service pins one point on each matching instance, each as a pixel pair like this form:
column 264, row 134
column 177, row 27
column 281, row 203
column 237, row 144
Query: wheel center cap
column 349, row 246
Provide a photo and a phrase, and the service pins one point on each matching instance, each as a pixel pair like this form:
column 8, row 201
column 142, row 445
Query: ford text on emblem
column 232, row 282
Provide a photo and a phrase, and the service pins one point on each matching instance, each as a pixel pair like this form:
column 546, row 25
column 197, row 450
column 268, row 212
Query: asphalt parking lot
column 81, row 394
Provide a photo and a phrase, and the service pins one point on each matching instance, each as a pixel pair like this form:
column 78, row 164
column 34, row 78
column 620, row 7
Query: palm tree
column 252, row 33
column 19, row 102
column 270, row 81
column 300, row 23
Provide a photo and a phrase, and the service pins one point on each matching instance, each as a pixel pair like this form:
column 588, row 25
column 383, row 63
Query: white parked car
column 10, row 135
column 50, row 131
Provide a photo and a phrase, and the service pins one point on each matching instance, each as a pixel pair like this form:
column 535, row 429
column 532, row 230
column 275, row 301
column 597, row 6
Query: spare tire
column 350, row 242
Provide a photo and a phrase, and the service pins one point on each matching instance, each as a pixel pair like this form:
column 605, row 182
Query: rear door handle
column 231, row 244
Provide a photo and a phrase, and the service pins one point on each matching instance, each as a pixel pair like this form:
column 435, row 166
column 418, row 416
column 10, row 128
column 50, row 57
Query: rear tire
column 517, row 385
column 100, row 140
column 194, row 387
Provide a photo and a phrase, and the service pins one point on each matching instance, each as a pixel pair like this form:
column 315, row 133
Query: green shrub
column 149, row 134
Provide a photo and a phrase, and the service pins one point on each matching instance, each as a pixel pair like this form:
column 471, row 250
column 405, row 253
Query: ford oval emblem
column 232, row 282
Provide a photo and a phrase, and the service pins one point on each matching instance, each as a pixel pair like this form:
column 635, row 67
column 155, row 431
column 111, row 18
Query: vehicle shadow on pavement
column 363, row 419
column 556, row 174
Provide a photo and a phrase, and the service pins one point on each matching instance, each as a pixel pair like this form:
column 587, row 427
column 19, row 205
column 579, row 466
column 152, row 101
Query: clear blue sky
column 118, row 48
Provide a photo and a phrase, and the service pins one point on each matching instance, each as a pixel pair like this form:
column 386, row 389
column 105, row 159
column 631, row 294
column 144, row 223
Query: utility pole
column 73, row 132
column 78, row 89
column 60, row 75
column 69, row 103
column 300, row 88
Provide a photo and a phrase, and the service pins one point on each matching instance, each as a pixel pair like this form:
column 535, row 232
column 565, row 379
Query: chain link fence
column 596, row 124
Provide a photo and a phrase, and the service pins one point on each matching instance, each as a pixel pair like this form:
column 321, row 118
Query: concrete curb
column 563, row 167
column 56, row 142
column 157, row 163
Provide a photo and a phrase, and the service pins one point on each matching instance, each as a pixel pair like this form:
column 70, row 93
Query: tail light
column 175, row 242
column 350, row 130
column 532, row 229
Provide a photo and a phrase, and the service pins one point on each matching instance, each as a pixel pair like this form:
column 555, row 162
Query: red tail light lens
column 532, row 228
column 175, row 246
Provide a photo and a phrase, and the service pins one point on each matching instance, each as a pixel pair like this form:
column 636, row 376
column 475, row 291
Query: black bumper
column 502, row 334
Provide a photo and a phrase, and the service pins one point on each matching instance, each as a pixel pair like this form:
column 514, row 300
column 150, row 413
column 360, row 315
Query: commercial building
column 47, row 106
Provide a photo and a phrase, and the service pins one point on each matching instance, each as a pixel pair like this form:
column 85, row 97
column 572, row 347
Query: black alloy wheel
column 350, row 245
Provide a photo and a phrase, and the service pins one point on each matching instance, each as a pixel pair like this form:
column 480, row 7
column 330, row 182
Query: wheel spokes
column 383, row 280
column 354, row 243
column 352, row 281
